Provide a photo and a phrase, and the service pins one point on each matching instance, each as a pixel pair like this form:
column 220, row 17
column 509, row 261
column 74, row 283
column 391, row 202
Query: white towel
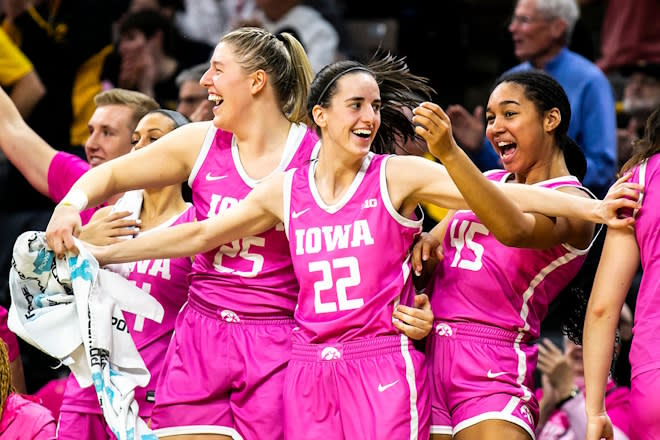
column 69, row 309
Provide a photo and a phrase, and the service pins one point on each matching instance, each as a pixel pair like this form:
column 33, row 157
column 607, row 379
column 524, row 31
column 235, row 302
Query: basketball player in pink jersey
column 165, row 279
column 352, row 374
column 623, row 251
column 490, row 293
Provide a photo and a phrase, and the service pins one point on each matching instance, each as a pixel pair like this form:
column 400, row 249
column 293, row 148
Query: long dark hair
column 399, row 89
column 546, row 93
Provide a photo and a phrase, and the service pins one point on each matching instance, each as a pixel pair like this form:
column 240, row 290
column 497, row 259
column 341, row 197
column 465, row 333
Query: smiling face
column 353, row 116
column 516, row 129
column 534, row 36
column 228, row 87
column 109, row 133
column 151, row 127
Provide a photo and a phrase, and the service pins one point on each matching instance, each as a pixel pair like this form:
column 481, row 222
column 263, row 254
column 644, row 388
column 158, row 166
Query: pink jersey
column 23, row 417
column 252, row 276
column 351, row 258
column 480, row 280
column 644, row 353
column 167, row 281
column 64, row 170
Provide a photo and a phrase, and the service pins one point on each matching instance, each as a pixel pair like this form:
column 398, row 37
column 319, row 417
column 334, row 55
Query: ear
column 258, row 80
column 558, row 28
column 319, row 115
column 551, row 120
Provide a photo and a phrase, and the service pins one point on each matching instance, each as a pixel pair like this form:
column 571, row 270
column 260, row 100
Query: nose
column 206, row 78
column 91, row 143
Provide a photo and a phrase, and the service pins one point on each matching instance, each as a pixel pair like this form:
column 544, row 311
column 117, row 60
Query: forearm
column 552, row 203
column 598, row 348
column 28, row 152
column 611, row 284
column 181, row 241
column 27, row 92
column 483, row 197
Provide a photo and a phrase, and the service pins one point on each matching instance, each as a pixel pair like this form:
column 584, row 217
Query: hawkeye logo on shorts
column 229, row 316
column 527, row 413
column 330, row 354
column 443, row 329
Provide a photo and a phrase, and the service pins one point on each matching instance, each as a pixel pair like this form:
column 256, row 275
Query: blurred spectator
column 208, row 20
column 150, row 56
column 541, row 30
column 21, row 417
column 67, row 41
column 641, row 95
column 630, row 32
column 17, row 74
column 561, row 406
column 561, row 402
column 317, row 35
column 193, row 97
column 15, row 363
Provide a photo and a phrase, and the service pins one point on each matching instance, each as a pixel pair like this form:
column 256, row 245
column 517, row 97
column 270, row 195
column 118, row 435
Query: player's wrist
column 75, row 198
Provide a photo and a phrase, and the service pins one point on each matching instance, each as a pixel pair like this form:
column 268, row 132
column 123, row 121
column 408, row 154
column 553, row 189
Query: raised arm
column 260, row 211
column 24, row 148
column 167, row 161
column 501, row 209
column 613, row 279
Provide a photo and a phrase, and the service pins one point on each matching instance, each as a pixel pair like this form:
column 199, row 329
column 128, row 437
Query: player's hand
column 415, row 322
column 599, row 426
column 622, row 200
column 434, row 126
column 425, row 248
column 64, row 224
column 110, row 229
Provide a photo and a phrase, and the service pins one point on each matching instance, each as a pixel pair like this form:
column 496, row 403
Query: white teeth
column 364, row 132
column 501, row 144
column 214, row 97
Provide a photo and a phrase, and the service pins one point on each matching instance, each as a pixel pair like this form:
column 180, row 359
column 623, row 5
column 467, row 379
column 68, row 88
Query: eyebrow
column 503, row 103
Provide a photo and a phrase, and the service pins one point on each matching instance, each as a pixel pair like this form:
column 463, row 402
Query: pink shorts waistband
column 362, row 348
column 229, row 316
column 463, row 330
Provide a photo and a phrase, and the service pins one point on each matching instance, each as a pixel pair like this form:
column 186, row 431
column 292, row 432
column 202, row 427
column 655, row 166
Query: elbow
column 511, row 236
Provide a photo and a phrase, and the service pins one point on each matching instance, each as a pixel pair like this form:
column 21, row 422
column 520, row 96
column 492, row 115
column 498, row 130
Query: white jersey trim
column 295, row 137
column 412, row 386
column 349, row 193
column 385, row 195
column 441, row 430
column 286, row 198
column 198, row 429
column 642, row 180
column 203, row 152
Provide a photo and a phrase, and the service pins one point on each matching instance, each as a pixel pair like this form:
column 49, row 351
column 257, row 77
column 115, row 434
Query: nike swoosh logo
column 382, row 388
column 211, row 178
column 492, row 375
column 295, row 214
